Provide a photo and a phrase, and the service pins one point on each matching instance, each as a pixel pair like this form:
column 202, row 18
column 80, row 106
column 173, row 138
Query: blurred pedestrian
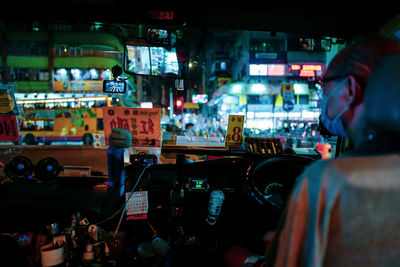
column 189, row 129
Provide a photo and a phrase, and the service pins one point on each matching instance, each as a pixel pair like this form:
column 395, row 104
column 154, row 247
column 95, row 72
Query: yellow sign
column 191, row 105
column 287, row 87
column 235, row 129
column 7, row 103
column 223, row 80
column 287, row 92
column 279, row 100
column 78, row 86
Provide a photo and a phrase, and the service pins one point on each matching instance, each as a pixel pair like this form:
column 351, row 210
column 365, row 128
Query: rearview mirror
column 310, row 44
column 142, row 58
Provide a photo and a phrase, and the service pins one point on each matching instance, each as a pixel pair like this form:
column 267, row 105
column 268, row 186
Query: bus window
column 39, row 125
column 27, row 126
column 49, row 125
column 100, row 124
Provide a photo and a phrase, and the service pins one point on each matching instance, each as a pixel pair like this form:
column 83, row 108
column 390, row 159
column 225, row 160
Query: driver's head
column 344, row 85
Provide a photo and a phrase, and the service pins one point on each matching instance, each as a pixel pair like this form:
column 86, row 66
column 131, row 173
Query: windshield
column 270, row 79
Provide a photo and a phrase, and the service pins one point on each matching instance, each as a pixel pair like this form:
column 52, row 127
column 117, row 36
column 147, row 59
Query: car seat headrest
column 382, row 96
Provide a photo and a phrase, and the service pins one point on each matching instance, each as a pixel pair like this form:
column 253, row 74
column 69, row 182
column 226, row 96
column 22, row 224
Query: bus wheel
column 87, row 139
column 29, row 139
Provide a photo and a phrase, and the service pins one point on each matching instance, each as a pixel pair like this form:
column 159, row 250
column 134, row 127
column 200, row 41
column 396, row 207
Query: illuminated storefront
column 282, row 108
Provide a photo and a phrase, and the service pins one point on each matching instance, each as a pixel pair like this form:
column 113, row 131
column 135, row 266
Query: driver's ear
column 353, row 92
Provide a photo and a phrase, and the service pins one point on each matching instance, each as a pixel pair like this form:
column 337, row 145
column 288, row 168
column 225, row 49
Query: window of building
column 304, row 99
column 267, row 45
column 81, row 74
column 24, row 74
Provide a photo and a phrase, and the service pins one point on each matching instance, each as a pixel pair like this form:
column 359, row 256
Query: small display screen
column 198, row 184
column 114, row 86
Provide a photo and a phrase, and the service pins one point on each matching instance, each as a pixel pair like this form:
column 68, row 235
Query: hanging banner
column 67, row 86
column 143, row 123
column 235, row 129
column 8, row 128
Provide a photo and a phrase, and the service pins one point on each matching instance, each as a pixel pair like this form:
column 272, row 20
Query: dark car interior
column 255, row 187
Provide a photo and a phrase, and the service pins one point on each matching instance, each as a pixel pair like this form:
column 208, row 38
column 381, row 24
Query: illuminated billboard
column 306, row 70
column 200, row 98
column 267, row 69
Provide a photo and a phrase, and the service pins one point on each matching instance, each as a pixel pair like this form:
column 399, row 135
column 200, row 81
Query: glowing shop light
column 307, row 73
column 236, row 89
column 296, row 67
column 313, row 67
column 276, row 70
column 258, row 69
column 258, row 88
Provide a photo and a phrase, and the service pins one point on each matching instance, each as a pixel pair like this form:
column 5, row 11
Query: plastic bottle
column 115, row 164
column 214, row 207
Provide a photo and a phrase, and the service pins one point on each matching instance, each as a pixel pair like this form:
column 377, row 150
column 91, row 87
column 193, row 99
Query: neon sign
column 306, row 70
column 267, row 69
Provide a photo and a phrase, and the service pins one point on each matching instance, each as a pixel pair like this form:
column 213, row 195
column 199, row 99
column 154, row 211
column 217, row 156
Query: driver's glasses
column 324, row 81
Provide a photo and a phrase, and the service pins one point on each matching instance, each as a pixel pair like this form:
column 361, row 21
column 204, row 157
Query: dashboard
column 187, row 184
column 177, row 200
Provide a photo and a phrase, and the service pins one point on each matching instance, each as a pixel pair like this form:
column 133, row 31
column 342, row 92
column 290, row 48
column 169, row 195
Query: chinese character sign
column 8, row 128
column 143, row 123
column 234, row 133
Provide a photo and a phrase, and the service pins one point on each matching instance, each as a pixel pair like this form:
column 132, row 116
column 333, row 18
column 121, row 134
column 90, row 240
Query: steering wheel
column 271, row 181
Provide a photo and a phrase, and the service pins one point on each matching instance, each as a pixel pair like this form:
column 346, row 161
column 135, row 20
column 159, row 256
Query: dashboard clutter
column 70, row 245
column 115, row 165
column 19, row 168
column 52, row 256
column 215, row 205
column 79, row 244
column 119, row 139
column 99, row 141
column 77, row 171
column 142, row 159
